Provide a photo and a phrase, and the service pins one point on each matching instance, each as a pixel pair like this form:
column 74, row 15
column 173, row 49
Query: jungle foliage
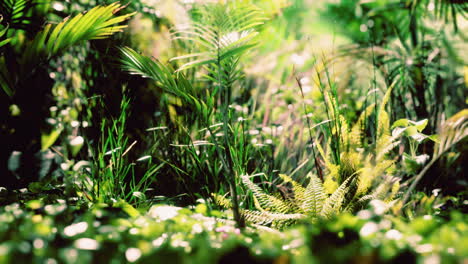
column 204, row 131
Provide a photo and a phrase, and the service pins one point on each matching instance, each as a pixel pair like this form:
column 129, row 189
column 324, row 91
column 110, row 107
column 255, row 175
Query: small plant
column 112, row 176
column 221, row 34
column 451, row 132
column 350, row 182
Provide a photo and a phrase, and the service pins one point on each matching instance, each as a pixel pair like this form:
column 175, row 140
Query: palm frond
column 5, row 82
column 165, row 77
column 18, row 14
column 226, row 32
column 97, row 23
column 135, row 63
column 3, row 41
column 450, row 9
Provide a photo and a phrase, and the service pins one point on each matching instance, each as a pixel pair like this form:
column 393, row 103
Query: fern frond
column 383, row 121
column 265, row 202
column 385, row 142
column 382, row 190
column 357, row 129
column 260, row 217
column 350, row 162
column 365, row 178
column 222, row 201
column 333, row 175
column 368, row 174
column 298, row 189
column 359, row 204
column 264, row 217
column 394, row 191
column 314, row 197
column 334, row 203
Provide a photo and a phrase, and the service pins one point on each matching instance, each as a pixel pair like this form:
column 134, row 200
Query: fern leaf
column 331, row 178
column 333, row 203
column 359, row 204
column 222, row 201
column 298, row 190
column 356, row 131
column 265, row 202
column 314, row 197
column 383, row 121
column 264, row 217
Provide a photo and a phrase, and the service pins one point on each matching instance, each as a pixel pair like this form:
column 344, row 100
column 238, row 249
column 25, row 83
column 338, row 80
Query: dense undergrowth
column 247, row 131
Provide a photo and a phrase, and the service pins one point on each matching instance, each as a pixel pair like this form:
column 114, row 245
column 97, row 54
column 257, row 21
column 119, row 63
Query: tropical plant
column 451, row 132
column 220, row 34
column 24, row 76
column 409, row 44
column 3, row 40
column 97, row 23
column 24, row 14
column 355, row 173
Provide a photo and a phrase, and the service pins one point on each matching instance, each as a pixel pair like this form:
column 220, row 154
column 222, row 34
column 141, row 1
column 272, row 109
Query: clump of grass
column 112, row 174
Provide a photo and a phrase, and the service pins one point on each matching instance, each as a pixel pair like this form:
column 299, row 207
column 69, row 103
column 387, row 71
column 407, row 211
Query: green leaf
column 236, row 51
column 434, row 138
column 4, row 42
column 139, row 195
column 314, row 196
column 400, row 123
column 5, row 78
column 410, row 164
column 35, row 187
column 47, row 140
column 411, row 131
column 34, row 204
column 127, row 208
column 420, row 125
